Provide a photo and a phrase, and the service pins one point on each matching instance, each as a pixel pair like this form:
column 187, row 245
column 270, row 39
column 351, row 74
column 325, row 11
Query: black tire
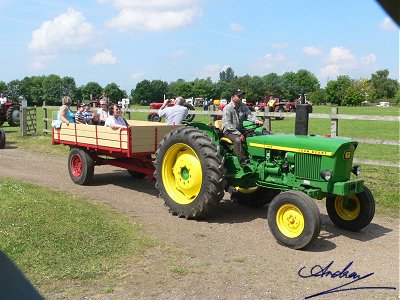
column 359, row 212
column 136, row 175
column 155, row 118
column 294, row 219
column 280, row 110
column 189, row 173
column 255, row 197
column 80, row 166
column 2, row 139
column 13, row 116
column 149, row 117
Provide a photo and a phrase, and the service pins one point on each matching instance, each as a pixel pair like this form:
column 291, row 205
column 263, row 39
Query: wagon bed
column 130, row 148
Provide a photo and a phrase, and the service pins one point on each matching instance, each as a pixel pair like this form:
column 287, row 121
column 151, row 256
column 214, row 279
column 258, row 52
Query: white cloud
column 211, row 71
column 236, row 27
column 154, row 15
column 104, row 57
column 342, row 61
column 312, row 51
column 67, row 31
column 388, row 25
column 178, row 54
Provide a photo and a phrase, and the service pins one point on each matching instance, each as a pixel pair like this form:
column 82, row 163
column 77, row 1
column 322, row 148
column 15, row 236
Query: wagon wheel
column 80, row 166
column 13, row 115
column 294, row 219
column 2, row 139
column 189, row 173
column 254, row 197
column 353, row 212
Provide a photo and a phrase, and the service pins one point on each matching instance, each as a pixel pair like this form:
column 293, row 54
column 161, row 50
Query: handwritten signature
column 320, row 271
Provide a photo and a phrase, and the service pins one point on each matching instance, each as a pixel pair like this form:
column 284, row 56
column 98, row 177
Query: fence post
column 45, row 117
column 267, row 119
column 335, row 123
column 24, row 118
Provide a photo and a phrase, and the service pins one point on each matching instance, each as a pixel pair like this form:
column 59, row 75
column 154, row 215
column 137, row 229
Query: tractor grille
column 307, row 166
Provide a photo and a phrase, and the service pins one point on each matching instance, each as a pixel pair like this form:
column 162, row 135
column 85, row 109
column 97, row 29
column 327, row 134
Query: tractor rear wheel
column 2, row 139
column 80, row 166
column 189, row 173
column 353, row 212
column 294, row 219
column 13, row 115
column 254, row 197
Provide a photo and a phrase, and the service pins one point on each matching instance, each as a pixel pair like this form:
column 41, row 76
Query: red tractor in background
column 10, row 112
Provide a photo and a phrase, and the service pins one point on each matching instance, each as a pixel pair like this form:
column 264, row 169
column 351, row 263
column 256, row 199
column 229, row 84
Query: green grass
column 55, row 237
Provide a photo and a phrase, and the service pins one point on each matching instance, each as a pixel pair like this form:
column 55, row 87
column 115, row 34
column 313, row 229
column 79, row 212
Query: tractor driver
column 232, row 123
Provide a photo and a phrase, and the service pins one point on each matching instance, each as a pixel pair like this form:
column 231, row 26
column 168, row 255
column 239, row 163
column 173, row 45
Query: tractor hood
column 317, row 145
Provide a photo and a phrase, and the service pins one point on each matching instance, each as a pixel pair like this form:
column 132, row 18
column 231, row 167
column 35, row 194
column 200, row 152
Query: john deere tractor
column 194, row 166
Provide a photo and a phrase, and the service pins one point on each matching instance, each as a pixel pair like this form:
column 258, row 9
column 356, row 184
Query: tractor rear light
column 326, row 174
column 356, row 170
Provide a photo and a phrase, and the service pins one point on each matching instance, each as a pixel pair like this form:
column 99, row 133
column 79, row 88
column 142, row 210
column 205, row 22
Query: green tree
column 3, row 87
column 13, row 88
column 142, row 92
column 180, row 88
column 202, row 88
column 228, row 75
column 158, row 88
column 317, row 97
column 336, row 89
column 69, row 87
column 53, row 89
column 289, row 87
column 114, row 93
column 305, row 80
column 272, row 84
column 91, row 90
column 382, row 87
column 354, row 94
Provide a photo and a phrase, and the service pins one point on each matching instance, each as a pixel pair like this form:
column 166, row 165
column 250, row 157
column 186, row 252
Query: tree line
column 344, row 91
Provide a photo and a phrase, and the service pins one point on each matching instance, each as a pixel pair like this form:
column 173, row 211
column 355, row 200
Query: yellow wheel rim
column 348, row 208
column 182, row 173
column 290, row 220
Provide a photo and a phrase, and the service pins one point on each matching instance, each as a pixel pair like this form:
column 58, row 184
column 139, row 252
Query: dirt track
column 232, row 255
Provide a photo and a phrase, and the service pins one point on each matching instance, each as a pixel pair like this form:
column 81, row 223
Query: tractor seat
column 218, row 126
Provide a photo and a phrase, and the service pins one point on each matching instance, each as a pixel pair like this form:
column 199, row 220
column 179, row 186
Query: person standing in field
column 174, row 115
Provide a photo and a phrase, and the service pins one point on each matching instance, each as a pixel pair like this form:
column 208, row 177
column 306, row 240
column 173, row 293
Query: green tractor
column 194, row 166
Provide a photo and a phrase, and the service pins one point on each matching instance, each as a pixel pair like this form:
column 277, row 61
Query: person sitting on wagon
column 102, row 112
column 174, row 115
column 115, row 120
column 233, row 116
column 65, row 113
column 79, row 119
column 90, row 118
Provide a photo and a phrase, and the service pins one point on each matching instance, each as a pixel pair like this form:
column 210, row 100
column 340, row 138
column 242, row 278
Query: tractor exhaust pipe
column 302, row 115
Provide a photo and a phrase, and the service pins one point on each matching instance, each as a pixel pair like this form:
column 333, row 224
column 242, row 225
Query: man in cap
column 232, row 123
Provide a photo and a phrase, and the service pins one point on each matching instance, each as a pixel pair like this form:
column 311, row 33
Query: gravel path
column 232, row 255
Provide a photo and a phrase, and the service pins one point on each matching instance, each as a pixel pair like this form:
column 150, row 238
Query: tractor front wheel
column 2, row 139
column 80, row 166
column 13, row 115
column 189, row 173
column 352, row 212
column 255, row 196
column 294, row 219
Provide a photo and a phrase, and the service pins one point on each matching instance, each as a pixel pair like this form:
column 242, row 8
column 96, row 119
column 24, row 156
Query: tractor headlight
column 326, row 174
column 356, row 170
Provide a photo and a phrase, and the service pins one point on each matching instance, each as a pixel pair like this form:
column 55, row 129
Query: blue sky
column 126, row 41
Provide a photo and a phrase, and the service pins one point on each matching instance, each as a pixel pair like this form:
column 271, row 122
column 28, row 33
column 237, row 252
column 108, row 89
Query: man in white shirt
column 174, row 115
column 3, row 100
column 102, row 112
